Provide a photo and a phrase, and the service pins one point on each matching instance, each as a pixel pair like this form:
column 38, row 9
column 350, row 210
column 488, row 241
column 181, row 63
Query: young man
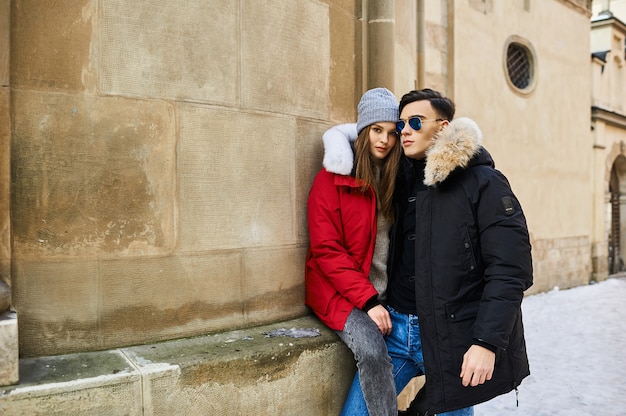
column 459, row 263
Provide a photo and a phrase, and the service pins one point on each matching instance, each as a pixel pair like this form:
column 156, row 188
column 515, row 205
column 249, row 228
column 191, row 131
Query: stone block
column 236, row 173
column 5, row 44
column 285, row 62
column 273, row 288
column 96, row 384
column 169, row 50
column 58, row 303
column 5, row 182
column 344, row 88
column 245, row 372
column 349, row 6
column 158, row 298
column 232, row 373
column 93, row 176
column 309, row 155
column 561, row 262
column 9, row 349
column 51, row 47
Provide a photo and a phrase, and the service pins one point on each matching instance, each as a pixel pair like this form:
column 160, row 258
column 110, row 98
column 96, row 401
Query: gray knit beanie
column 378, row 104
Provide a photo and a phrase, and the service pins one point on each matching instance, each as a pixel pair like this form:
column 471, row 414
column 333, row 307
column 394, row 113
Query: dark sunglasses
column 415, row 123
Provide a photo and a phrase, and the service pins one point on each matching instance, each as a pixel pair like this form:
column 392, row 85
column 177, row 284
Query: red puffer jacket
column 342, row 232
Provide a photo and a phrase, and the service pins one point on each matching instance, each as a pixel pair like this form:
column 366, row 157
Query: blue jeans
column 374, row 378
column 405, row 348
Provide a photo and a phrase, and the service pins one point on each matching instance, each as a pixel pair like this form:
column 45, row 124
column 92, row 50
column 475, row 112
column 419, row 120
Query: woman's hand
column 380, row 316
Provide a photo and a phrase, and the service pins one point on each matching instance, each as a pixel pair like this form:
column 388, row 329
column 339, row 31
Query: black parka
column 472, row 266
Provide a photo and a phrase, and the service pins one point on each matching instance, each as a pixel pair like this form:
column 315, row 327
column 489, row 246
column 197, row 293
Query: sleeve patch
column 509, row 207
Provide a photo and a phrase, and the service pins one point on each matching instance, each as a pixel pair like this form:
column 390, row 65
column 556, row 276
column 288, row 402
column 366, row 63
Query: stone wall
column 5, row 155
column 161, row 157
column 562, row 263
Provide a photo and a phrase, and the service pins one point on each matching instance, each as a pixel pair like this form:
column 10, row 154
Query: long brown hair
column 366, row 168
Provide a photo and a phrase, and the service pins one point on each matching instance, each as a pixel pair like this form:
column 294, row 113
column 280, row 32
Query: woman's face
column 383, row 137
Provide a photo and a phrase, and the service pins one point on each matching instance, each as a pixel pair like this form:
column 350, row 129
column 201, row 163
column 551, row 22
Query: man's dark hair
column 442, row 105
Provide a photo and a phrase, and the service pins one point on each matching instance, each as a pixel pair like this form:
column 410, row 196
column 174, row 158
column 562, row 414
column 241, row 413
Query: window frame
column 532, row 64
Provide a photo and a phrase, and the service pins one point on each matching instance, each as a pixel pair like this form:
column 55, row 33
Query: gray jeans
column 374, row 381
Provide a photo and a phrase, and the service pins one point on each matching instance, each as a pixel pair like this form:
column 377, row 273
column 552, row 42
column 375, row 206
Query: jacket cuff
column 373, row 301
column 485, row 345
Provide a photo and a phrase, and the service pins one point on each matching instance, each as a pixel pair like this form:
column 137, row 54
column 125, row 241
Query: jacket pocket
column 318, row 295
column 460, row 318
column 459, row 312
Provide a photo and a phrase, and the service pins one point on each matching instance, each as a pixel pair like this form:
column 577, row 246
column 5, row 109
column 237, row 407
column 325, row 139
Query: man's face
column 416, row 142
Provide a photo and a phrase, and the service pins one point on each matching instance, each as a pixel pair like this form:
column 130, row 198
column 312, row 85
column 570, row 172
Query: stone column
column 380, row 43
column 8, row 319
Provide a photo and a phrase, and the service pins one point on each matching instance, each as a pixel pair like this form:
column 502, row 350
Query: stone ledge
column 236, row 373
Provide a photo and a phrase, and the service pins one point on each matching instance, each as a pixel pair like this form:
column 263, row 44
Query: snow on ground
column 576, row 341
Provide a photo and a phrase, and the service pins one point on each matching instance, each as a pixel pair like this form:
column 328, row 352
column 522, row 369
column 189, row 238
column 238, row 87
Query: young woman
column 349, row 215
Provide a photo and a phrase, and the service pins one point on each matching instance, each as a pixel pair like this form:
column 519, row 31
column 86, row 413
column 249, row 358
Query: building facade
column 608, row 32
column 156, row 157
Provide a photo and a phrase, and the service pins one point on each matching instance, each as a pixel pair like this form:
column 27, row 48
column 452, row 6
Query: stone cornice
column 610, row 117
column 583, row 6
column 609, row 21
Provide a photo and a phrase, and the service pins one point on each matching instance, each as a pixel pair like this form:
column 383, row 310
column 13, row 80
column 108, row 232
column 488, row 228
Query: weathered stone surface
column 285, row 57
column 169, row 50
column 562, row 262
column 9, row 350
column 236, row 179
column 309, row 155
column 5, row 296
column 274, row 283
column 5, row 44
column 159, row 298
column 54, row 46
column 58, row 303
column 344, row 87
column 92, row 176
column 5, row 152
column 5, row 186
column 244, row 372
column 231, row 373
column 100, row 384
column 349, row 6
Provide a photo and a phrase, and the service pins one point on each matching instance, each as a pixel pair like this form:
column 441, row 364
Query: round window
column 520, row 65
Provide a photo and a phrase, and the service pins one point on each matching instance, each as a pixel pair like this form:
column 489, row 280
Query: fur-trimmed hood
column 454, row 147
column 338, row 153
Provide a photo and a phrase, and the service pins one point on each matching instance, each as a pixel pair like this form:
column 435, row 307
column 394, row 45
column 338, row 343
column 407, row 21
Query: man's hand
column 478, row 364
column 380, row 316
